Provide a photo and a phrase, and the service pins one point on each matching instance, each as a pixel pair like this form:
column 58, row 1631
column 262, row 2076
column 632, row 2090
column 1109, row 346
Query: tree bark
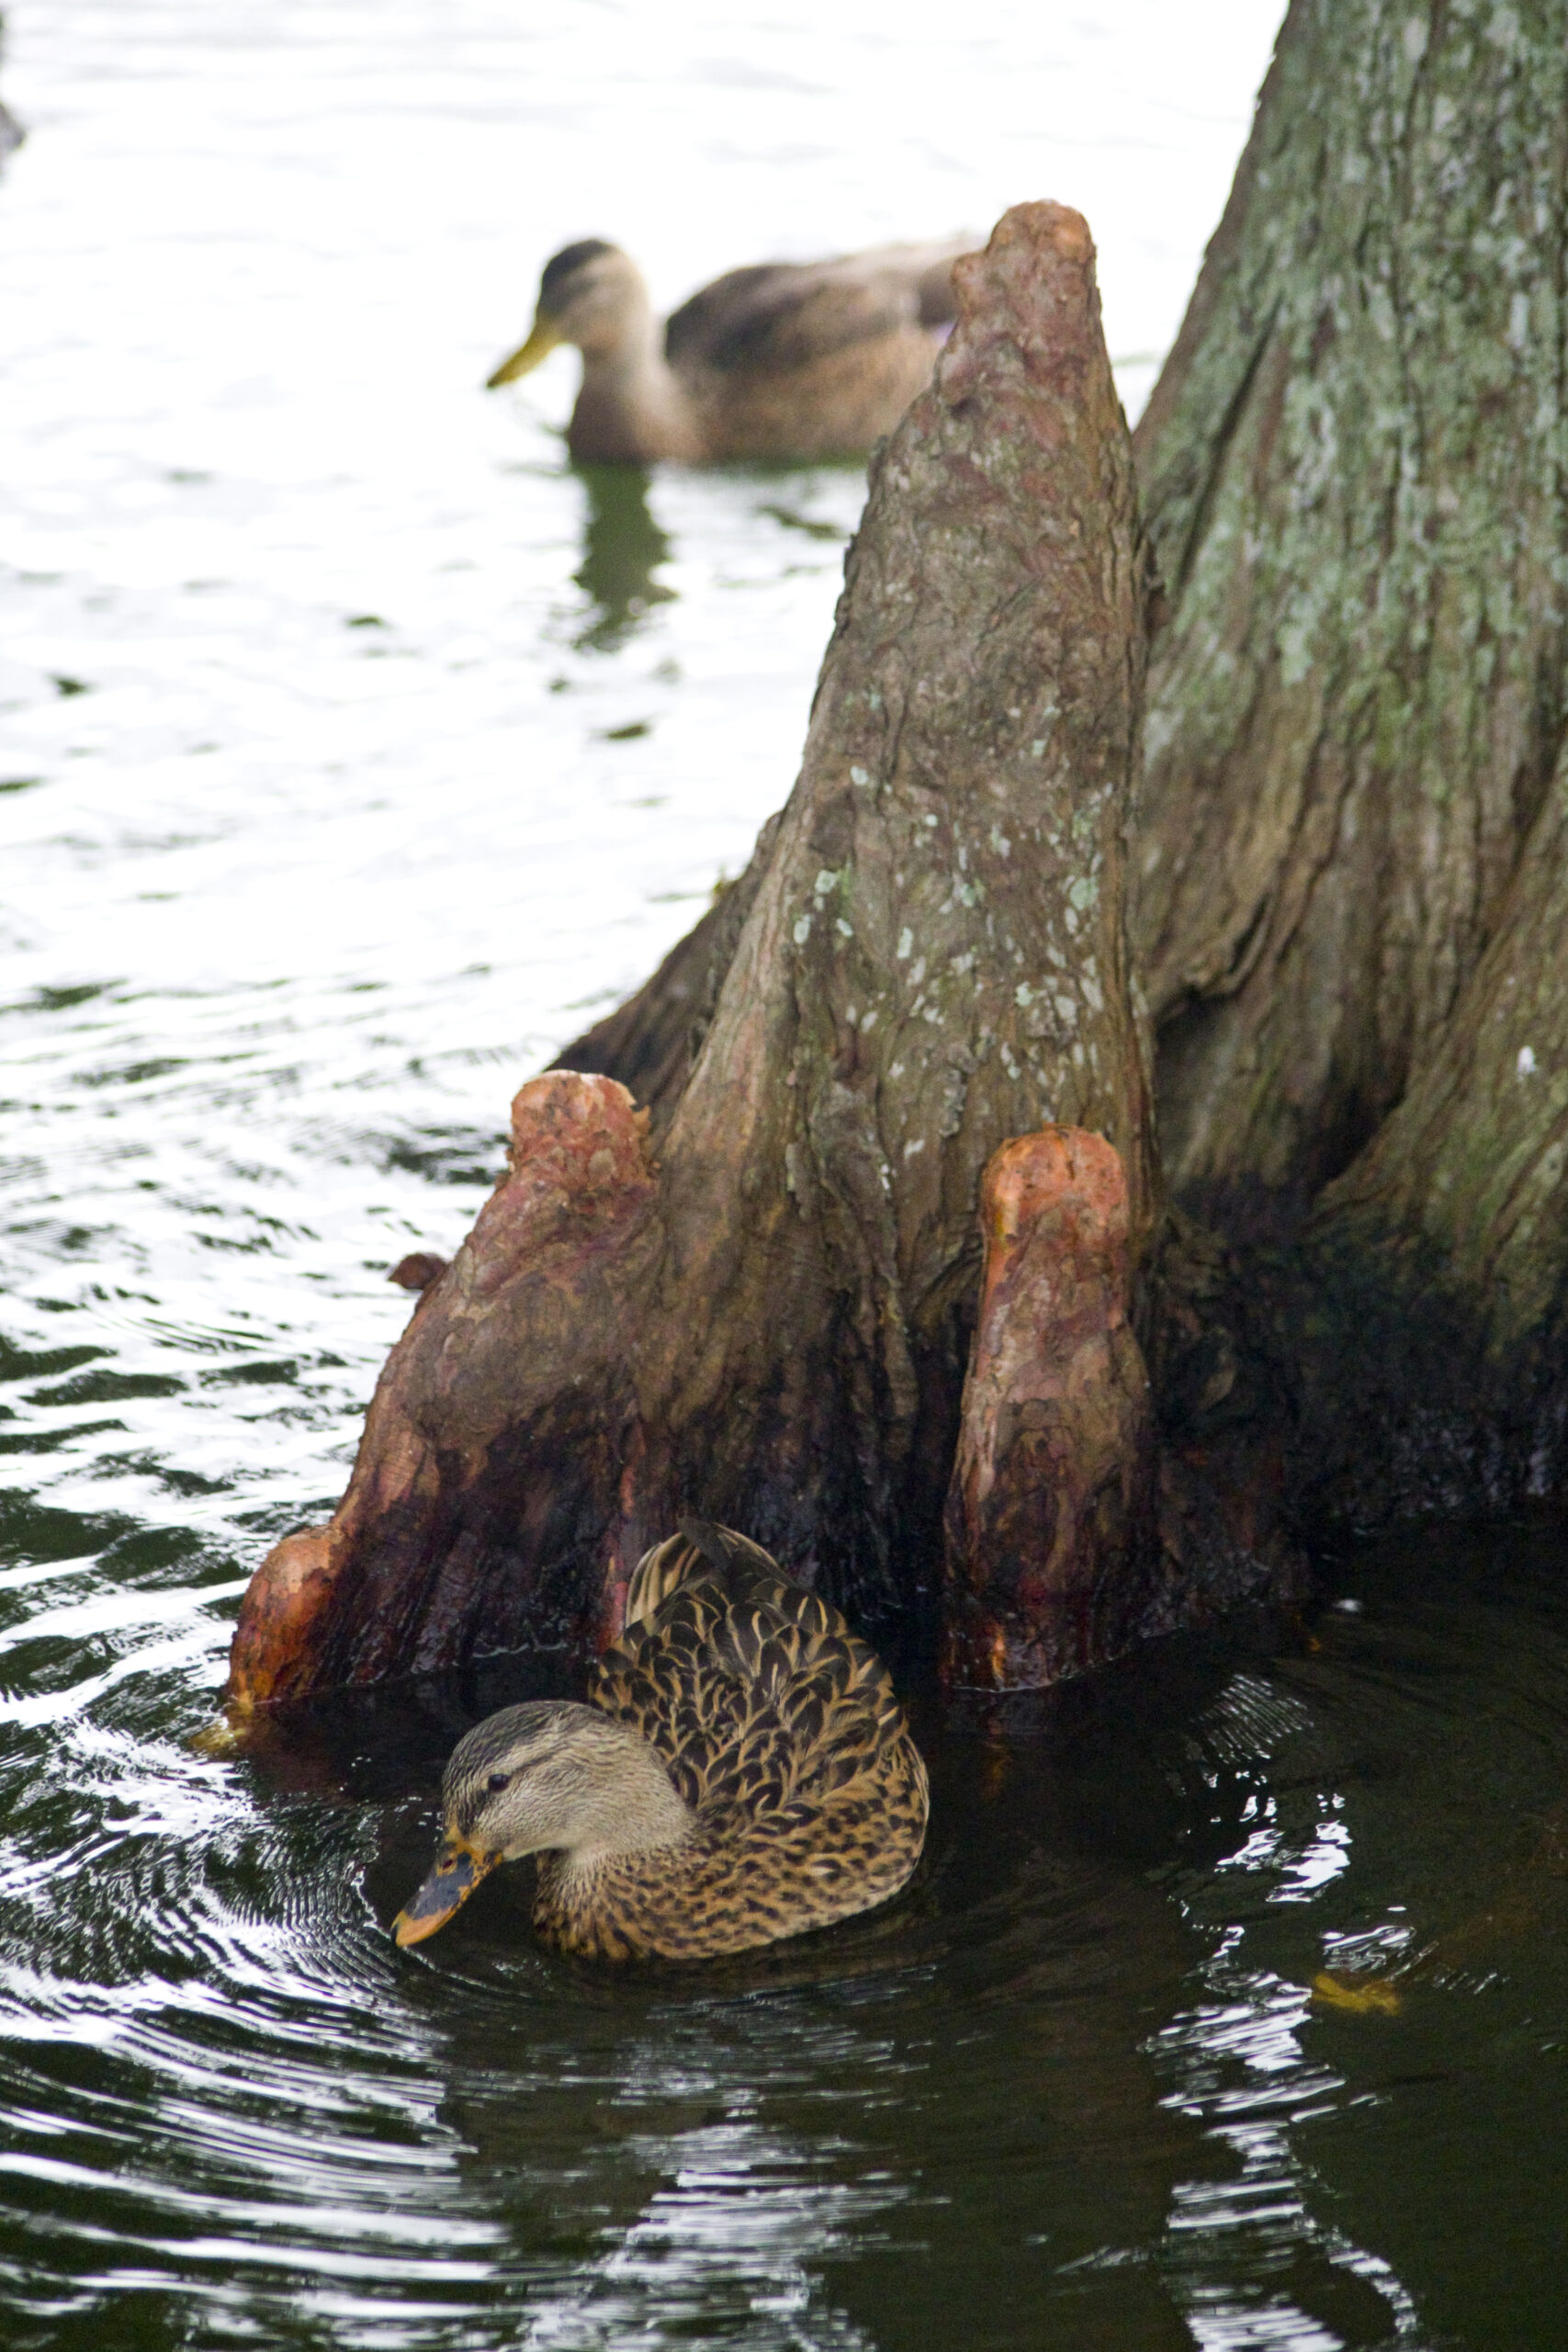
column 1053, row 1554
column 1353, row 472
column 1435, row 1345
column 769, row 1321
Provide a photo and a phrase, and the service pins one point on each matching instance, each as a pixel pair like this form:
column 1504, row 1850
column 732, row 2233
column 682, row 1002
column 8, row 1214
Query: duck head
column 544, row 1778
column 592, row 295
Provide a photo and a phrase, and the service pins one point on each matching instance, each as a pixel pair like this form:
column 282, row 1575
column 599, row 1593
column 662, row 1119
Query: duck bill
column 454, row 1875
column 542, row 340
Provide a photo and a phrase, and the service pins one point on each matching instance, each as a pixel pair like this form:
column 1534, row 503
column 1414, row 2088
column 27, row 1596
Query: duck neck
column 642, row 1814
column 630, row 409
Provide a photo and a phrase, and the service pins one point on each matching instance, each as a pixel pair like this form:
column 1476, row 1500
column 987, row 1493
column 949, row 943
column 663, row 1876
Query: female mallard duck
column 742, row 1772
column 784, row 361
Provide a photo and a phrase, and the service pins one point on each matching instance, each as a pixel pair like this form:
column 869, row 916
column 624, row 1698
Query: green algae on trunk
column 1355, row 472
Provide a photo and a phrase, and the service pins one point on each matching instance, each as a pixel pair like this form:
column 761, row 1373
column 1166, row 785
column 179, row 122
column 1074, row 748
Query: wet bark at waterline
column 758, row 1304
column 1434, row 1274
column 1355, row 473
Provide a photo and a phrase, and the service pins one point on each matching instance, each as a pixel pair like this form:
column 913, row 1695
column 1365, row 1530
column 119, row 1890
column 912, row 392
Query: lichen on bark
column 1353, row 472
column 1352, row 838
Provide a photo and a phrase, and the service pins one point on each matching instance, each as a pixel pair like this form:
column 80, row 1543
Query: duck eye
column 498, row 1781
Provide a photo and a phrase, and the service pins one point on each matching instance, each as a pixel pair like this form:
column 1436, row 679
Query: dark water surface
column 1073, row 2090
column 353, row 751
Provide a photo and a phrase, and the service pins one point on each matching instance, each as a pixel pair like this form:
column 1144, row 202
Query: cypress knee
column 764, row 1316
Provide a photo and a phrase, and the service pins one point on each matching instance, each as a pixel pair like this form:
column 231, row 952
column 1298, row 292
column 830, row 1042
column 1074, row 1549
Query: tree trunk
column 1353, row 473
column 769, row 1322
column 1435, row 1349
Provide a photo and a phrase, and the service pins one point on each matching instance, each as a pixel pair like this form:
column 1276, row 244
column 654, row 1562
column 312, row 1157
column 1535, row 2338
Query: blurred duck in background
column 11, row 131
column 787, row 361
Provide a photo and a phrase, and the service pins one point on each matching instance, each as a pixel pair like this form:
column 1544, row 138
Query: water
column 354, row 754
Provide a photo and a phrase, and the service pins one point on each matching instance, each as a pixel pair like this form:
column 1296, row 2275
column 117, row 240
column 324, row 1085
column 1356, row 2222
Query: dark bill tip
column 453, row 1879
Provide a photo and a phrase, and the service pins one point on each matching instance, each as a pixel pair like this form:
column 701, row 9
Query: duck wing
column 701, row 1548
column 755, row 1692
column 779, row 316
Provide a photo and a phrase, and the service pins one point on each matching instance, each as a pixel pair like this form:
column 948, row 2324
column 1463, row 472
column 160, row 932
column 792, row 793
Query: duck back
column 783, row 1733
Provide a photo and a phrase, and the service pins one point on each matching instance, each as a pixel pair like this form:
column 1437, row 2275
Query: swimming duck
column 742, row 1771
column 784, row 361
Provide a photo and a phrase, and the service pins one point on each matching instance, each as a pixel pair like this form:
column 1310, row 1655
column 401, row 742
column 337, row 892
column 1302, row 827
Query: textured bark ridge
column 489, row 1474
column 770, row 1324
column 1434, row 1277
column 1052, row 1551
column 1352, row 844
column 1353, row 473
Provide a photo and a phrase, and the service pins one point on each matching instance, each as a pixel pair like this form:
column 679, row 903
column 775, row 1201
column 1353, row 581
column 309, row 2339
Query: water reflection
column 11, row 131
column 1246, row 2255
column 1253, row 2264
column 930, row 2114
column 1074, row 2088
column 623, row 548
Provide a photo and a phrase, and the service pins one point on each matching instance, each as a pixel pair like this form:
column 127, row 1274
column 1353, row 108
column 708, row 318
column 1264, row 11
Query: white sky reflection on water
column 748, row 2217
column 1242, row 2072
column 1239, row 2064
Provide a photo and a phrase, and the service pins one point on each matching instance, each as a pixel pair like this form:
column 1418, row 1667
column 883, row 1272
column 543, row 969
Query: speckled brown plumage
column 830, row 404
column 785, row 361
column 780, row 1730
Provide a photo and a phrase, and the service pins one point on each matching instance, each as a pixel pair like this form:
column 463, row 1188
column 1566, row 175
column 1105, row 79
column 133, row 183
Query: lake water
column 353, row 753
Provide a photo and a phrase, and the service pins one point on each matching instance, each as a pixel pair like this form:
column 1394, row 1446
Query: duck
column 742, row 1771
column 785, row 361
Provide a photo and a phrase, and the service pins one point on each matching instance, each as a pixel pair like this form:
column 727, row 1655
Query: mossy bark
column 761, row 1307
column 1353, row 471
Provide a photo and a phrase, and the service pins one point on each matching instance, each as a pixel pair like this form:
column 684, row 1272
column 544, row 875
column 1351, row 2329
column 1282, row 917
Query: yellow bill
column 543, row 338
